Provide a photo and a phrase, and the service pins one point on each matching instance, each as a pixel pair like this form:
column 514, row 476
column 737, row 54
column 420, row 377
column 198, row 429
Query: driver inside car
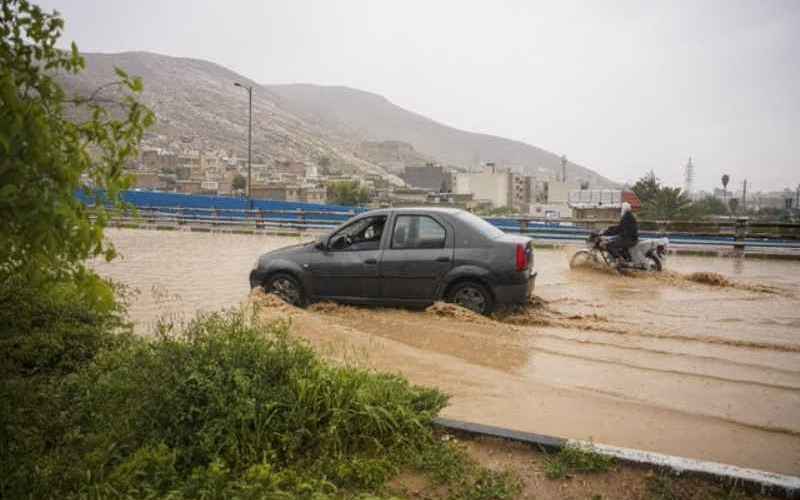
column 370, row 237
column 366, row 237
column 625, row 234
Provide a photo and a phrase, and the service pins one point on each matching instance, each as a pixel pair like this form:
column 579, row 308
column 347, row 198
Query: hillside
column 196, row 104
column 370, row 117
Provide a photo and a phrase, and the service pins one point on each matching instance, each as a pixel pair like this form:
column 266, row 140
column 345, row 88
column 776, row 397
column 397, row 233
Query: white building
column 311, row 172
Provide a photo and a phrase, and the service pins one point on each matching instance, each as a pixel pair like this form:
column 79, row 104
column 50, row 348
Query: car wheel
column 286, row 287
column 473, row 296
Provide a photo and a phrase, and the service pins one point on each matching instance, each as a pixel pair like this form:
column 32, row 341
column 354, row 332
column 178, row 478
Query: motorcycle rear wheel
column 656, row 263
column 583, row 258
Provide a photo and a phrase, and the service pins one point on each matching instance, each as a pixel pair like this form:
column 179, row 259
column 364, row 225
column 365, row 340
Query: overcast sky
column 620, row 87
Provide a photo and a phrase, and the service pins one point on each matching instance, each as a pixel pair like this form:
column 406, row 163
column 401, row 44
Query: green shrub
column 573, row 459
column 55, row 330
column 221, row 408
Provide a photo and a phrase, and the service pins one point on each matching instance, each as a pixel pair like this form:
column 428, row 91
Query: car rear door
column 417, row 255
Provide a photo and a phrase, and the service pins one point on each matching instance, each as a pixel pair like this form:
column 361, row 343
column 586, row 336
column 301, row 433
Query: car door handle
column 371, row 261
column 443, row 258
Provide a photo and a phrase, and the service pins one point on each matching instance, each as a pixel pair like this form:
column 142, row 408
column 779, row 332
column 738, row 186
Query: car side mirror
column 337, row 243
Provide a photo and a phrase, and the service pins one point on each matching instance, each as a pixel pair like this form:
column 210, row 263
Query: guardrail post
column 302, row 220
column 740, row 234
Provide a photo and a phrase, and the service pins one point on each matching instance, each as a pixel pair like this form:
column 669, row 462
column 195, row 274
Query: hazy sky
column 620, row 87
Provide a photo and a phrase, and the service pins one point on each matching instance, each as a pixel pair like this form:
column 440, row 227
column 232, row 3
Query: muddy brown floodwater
column 660, row 363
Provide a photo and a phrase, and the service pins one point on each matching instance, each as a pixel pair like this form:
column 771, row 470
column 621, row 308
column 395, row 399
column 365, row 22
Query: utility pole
column 744, row 196
column 249, row 89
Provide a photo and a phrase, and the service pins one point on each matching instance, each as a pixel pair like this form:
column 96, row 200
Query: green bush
column 223, row 408
column 572, row 459
column 55, row 330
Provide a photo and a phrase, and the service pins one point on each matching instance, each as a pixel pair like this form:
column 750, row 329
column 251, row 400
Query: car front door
column 416, row 258
column 348, row 267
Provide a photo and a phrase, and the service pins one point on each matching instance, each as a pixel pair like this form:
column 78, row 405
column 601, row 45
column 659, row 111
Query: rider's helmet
column 626, row 207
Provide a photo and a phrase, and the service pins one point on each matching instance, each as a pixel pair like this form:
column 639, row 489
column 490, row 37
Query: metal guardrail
column 735, row 234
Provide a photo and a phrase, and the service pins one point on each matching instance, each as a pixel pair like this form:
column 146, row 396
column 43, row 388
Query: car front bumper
column 518, row 293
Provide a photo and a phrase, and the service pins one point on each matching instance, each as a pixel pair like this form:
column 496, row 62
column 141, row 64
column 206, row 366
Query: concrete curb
column 754, row 480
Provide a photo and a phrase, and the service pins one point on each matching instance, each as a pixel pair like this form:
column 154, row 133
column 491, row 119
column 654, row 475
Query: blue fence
column 220, row 210
column 200, row 206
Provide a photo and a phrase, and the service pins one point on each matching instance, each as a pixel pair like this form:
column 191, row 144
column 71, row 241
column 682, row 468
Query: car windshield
column 481, row 225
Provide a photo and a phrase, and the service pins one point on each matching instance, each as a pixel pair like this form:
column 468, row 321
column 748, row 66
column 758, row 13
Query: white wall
column 485, row 186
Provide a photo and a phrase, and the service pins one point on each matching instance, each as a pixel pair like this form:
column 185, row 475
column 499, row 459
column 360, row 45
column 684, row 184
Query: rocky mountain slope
column 196, row 104
column 366, row 116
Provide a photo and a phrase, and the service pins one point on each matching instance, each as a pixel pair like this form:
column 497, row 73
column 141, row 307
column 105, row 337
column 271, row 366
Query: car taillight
column 522, row 258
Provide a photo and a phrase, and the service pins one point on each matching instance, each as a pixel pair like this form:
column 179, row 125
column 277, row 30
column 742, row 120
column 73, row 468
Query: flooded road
column 660, row 363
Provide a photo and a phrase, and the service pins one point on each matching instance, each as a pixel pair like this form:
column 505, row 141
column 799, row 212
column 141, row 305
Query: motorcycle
column 645, row 255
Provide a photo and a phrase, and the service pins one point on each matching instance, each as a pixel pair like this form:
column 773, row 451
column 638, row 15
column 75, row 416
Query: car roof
column 402, row 210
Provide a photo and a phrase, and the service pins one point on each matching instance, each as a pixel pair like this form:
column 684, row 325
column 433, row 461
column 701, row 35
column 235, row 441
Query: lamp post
column 249, row 89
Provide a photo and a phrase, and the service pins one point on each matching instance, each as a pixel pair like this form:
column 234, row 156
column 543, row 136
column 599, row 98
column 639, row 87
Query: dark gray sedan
column 404, row 256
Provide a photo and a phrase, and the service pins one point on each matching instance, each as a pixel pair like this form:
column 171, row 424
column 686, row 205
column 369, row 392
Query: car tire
column 471, row 295
column 286, row 287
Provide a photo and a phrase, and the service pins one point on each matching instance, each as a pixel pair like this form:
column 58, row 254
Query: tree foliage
column 239, row 182
column 709, row 206
column 647, row 188
column 53, row 145
column 348, row 193
column 661, row 202
column 669, row 203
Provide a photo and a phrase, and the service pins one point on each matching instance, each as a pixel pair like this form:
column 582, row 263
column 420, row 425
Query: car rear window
column 418, row 232
column 480, row 225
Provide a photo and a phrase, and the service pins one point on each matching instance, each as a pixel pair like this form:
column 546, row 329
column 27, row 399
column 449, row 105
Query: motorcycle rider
column 626, row 233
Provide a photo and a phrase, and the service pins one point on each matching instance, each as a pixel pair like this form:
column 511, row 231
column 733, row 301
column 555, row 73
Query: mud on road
column 699, row 365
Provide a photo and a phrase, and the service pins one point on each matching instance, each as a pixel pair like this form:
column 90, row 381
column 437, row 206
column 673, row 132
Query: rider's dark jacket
column 627, row 229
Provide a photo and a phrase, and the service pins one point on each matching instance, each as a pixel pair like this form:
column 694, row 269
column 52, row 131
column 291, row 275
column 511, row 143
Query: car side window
column 364, row 234
column 418, row 232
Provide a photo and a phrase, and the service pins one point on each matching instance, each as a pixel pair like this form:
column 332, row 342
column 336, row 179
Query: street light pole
column 249, row 89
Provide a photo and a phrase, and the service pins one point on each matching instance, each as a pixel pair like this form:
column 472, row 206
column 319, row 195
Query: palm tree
column 725, row 179
column 668, row 204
